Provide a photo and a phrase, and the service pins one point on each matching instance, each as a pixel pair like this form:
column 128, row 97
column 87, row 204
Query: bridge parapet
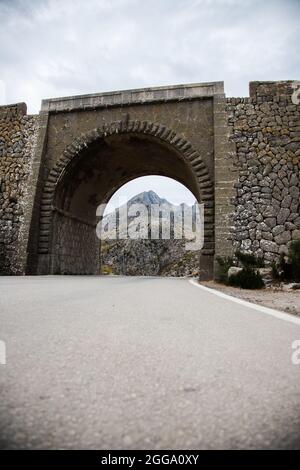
column 131, row 97
column 250, row 146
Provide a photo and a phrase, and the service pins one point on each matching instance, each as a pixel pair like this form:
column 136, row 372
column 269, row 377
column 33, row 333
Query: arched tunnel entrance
column 149, row 228
column 88, row 174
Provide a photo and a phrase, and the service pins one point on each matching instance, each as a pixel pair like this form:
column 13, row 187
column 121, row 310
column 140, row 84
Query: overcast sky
column 166, row 188
column 52, row 48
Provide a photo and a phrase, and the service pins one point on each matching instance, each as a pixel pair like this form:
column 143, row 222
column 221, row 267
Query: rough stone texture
column 94, row 144
column 240, row 156
column 267, row 275
column 17, row 138
column 69, row 233
column 148, row 256
column 266, row 131
column 233, row 270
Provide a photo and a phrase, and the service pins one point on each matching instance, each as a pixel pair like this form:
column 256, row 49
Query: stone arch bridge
column 239, row 156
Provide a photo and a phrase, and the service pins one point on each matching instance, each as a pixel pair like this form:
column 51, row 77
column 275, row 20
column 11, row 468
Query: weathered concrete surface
column 142, row 363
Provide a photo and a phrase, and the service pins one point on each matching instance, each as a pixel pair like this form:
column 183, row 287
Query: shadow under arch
column 92, row 169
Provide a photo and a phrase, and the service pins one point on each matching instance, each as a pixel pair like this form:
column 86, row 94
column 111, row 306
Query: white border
column 245, row 303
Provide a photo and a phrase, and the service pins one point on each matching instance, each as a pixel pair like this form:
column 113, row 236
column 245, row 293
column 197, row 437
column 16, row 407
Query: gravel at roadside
column 273, row 297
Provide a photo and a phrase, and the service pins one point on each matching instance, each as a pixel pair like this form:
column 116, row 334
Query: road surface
column 141, row 363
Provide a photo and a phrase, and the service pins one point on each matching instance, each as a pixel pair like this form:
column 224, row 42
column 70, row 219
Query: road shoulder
column 267, row 300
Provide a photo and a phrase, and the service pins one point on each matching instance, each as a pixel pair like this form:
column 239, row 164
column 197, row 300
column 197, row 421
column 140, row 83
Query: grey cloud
column 54, row 48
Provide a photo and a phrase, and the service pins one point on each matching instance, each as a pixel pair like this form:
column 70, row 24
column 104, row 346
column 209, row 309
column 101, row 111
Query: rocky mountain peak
column 147, row 198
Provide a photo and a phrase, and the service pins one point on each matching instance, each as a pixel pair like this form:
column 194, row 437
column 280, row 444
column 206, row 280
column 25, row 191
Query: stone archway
column 92, row 168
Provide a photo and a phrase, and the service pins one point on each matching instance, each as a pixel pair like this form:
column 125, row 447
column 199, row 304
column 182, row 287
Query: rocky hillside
column 147, row 256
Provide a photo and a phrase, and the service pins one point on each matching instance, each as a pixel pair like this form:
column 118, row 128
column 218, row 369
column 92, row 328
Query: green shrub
column 288, row 268
column 224, row 263
column 249, row 260
column 275, row 271
column 248, row 278
column 294, row 259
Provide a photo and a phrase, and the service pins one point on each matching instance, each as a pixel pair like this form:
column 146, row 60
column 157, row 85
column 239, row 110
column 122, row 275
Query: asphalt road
column 140, row 363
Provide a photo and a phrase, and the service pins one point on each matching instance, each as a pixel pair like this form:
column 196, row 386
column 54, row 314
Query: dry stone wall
column 266, row 131
column 17, row 138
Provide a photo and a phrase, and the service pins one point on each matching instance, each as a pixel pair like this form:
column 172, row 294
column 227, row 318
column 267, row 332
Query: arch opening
column 150, row 237
column 89, row 173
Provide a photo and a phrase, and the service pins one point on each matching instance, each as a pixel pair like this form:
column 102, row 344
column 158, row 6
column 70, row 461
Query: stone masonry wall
column 264, row 167
column 17, row 136
column 266, row 131
column 70, row 255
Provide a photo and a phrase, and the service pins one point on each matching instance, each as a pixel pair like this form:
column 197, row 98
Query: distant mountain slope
column 146, row 256
column 146, row 199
